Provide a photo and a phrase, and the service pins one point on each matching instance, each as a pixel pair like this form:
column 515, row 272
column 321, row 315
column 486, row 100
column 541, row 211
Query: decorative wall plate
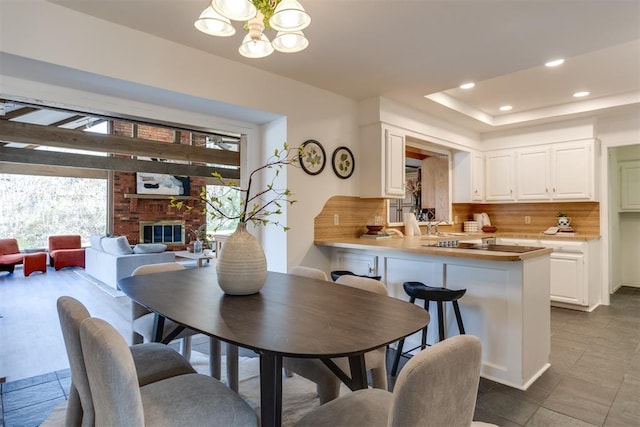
column 312, row 157
column 343, row 162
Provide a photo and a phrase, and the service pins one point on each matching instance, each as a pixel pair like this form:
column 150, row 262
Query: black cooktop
column 499, row 248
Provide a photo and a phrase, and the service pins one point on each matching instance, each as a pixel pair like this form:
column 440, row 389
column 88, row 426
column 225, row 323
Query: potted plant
column 563, row 219
column 242, row 266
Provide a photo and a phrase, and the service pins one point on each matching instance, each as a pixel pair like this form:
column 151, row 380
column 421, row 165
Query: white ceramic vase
column 241, row 266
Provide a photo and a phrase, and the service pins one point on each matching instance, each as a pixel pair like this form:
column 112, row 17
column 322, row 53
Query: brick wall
column 129, row 211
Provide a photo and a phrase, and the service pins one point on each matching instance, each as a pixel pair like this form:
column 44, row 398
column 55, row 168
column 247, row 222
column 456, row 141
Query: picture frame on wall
column 343, row 162
column 312, row 157
column 162, row 184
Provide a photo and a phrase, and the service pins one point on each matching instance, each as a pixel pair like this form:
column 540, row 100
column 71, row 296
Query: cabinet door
column 533, row 174
column 572, row 171
column 499, row 175
column 568, row 279
column 630, row 186
column 477, row 177
column 394, row 163
column 358, row 263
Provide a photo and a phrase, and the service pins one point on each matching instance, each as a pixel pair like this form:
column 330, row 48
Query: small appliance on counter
column 482, row 219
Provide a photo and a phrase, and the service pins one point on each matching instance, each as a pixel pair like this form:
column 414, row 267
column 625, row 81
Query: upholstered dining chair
column 142, row 325
column 437, row 387
column 119, row 401
column 153, row 362
column 314, row 273
column 327, row 382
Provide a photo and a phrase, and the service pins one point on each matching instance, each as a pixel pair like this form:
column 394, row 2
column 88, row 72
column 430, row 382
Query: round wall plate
column 343, row 162
column 312, row 157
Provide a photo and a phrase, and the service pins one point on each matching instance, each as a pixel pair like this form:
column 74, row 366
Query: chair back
column 112, row 375
column 9, row 246
column 439, row 385
column 364, row 283
column 313, row 273
column 70, row 241
column 136, row 309
column 71, row 313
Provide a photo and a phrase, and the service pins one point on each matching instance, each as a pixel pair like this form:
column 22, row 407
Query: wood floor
column 594, row 379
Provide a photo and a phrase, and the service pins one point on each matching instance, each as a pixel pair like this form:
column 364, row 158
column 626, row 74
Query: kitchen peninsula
column 506, row 304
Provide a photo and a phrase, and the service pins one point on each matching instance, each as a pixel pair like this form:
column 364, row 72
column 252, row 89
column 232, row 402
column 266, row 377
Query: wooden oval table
column 291, row 316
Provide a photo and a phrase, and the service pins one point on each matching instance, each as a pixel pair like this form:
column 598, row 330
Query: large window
column 231, row 203
column 32, row 208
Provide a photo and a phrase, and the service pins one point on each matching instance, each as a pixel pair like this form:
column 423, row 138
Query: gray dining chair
column 328, row 384
column 153, row 362
column 119, row 401
column 142, row 321
column 437, row 387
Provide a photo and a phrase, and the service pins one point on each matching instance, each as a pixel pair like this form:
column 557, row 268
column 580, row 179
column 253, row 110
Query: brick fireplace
column 130, row 210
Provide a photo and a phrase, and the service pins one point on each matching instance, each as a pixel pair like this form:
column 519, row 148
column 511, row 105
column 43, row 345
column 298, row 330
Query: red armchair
column 10, row 256
column 65, row 251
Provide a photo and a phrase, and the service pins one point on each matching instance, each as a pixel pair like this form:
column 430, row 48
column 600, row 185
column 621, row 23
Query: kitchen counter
column 420, row 245
column 506, row 303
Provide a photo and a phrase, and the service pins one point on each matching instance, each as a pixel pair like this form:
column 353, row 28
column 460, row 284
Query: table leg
column 215, row 356
column 358, row 372
column 158, row 327
column 232, row 367
column 270, row 389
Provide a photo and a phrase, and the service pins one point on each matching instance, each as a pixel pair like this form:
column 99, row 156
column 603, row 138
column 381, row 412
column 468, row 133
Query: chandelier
column 287, row 17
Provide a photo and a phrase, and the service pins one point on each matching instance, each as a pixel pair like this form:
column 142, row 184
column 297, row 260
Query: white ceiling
column 406, row 49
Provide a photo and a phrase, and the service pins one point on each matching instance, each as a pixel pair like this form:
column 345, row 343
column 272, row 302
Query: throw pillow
column 149, row 248
column 96, row 243
column 117, row 245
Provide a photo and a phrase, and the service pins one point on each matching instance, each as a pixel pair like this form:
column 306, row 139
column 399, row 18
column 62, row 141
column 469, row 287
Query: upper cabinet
column 562, row 171
column 382, row 157
column 556, row 172
column 630, row 185
column 477, row 177
column 499, row 176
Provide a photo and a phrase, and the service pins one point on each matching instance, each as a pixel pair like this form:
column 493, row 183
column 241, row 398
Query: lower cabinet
column 574, row 275
column 356, row 262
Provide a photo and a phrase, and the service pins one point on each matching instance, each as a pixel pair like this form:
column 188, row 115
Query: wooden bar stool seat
column 418, row 290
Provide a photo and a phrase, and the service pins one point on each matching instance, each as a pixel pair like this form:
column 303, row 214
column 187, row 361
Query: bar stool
column 418, row 290
column 335, row 274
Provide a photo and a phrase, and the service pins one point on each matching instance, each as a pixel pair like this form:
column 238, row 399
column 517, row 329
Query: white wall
column 104, row 52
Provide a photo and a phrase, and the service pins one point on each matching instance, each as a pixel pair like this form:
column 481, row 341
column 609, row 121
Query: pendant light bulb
column 212, row 23
column 238, row 10
column 289, row 15
column 290, row 42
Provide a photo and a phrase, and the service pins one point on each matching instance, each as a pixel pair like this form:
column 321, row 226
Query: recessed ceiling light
column 580, row 94
column 467, row 85
column 506, row 108
column 555, row 63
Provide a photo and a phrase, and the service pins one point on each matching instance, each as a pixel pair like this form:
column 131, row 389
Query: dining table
column 291, row 316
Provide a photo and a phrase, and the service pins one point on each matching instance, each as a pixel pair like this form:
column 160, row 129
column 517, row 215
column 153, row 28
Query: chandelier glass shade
column 287, row 17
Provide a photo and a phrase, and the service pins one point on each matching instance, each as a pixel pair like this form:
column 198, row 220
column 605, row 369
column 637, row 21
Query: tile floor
column 594, row 379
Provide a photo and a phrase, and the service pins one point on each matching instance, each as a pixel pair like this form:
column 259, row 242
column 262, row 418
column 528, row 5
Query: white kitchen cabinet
column 382, row 161
column 569, row 272
column 357, row 262
column 477, row 177
column 533, row 173
column 630, row 185
column 563, row 171
column 499, row 176
column 574, row 278
column 572, row 171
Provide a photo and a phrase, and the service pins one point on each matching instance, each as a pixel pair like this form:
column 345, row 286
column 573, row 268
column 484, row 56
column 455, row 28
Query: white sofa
column 106, row 262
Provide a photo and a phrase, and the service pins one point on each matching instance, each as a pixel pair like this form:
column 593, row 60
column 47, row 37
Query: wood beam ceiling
column 75, row 139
